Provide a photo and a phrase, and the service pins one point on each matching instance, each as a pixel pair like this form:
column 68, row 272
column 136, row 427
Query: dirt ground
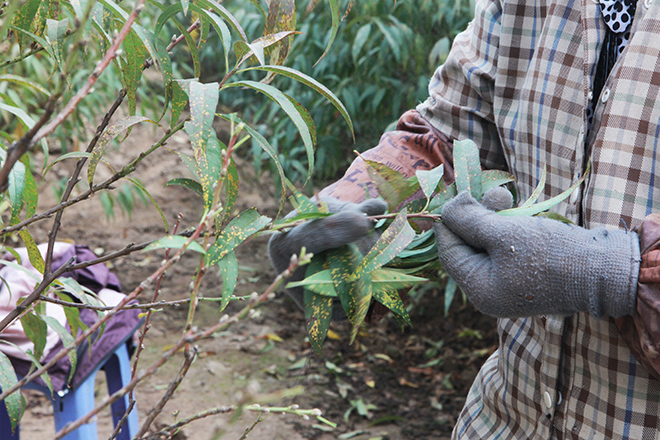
column 388, row 385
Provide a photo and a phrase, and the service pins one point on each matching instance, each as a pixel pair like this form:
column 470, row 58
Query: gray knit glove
column 526, row 266
column 349, row 224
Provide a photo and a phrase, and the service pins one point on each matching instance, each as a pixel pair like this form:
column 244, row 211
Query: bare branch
column 52, row 235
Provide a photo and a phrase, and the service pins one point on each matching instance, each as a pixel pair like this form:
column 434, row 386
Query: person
column 555, row 86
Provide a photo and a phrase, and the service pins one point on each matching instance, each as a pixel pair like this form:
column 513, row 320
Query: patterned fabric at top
column 519, row 82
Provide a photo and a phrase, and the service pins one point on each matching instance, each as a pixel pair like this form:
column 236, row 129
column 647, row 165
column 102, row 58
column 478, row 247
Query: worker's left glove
column 526, row 266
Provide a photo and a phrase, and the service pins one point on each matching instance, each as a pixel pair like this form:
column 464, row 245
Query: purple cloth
column 118, row 330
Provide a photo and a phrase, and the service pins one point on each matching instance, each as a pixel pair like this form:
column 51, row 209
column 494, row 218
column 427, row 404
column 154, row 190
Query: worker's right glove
column 527, row 266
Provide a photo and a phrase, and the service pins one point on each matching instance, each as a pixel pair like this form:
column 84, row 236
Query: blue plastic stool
column 77, row 402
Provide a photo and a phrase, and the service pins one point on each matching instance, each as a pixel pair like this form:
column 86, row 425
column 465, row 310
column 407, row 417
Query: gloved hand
column 349, row 224
column 526, row 266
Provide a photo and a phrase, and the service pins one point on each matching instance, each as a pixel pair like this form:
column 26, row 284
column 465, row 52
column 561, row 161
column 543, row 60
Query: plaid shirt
column 518, row 82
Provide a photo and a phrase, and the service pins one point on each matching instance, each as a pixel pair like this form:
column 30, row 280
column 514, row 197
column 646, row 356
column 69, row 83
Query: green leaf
column 228, row 269
column 25, row 82
column 222, row 30
column 494, row 178
column 334, row 7
column 259, row 7
column 67, row 341
column 34, row 255
column 554, row 216
column 313, row 84
column 22, row 116
column 391, row 300
column 179, row 102
column 450, row 292
column 187, row 183
column 141, row 187
column 23, row 19
column 392, row 185
column 304, row 204
column 467, row 168
column 169, row 15
column 281, row 17
column 389, row 37
column 361, row 37
column 382, row 280
column 174, row 242
column 35, row 329
column 136, row 55
column 203, row 101
column 104, row 140
column 159, row 54
column 318, row 315
column 354, row 294
column 70, row 288
column 263, row 143
column 389, row 245
column 429, row 179
column 30, row 191
column 45, row 377
column 225, row 14
column 537, row 191
column 291, row 110
column 246, row 224
column 320, row 282
column 190, row 163
column 16, row 186
column 546, row 204
column 73, row 154
column 443, row 197
column 231, row 190
column 72, row 316
column 208, row 162
column 55, row 31
column 7, row 380
column 387, row 280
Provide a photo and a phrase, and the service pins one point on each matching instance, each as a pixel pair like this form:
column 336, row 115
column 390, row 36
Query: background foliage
column 379, row 66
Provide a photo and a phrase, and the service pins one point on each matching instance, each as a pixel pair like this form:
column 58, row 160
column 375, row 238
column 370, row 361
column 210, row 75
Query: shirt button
column 547, row 400
column 590, row 96
column 605, row 96
column 647, row 3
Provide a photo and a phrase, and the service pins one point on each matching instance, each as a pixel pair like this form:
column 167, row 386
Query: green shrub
column 379, row 66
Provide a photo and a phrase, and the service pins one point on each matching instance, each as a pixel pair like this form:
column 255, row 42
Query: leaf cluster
column 404, row 250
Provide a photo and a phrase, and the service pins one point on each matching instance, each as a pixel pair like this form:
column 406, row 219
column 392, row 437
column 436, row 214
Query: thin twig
column 260, row 418
column 73, row 180
column 145, row 306
column 91, row 329
column 421, row 215
column 21, row 57
column 166, row 432
column 189, row 338
column 96, row 188
column 174, row 384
